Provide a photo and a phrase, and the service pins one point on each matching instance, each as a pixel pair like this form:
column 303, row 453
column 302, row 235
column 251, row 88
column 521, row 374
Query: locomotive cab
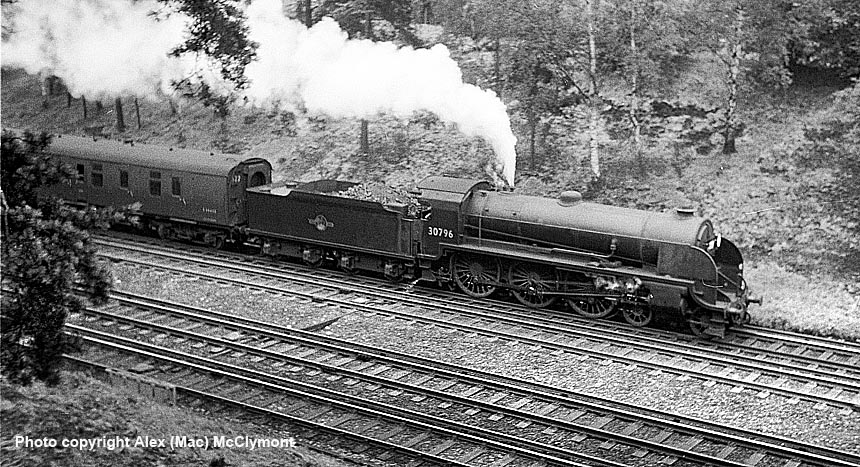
column 445, row 197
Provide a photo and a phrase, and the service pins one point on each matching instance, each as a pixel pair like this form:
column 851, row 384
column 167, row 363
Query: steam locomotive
column 598, row 259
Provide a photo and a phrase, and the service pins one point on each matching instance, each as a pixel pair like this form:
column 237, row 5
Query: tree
column 47, row 251
column 641, row 42
column 750, row 38
column 218, row 30
column 533, row 75
column 593, row 93
column 356, row 16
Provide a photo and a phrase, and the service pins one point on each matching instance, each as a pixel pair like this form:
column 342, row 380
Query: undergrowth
column 81, row 407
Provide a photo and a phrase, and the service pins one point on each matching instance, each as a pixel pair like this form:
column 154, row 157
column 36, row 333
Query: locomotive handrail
column 556, row 246
column 521, row 221
column 738, row 286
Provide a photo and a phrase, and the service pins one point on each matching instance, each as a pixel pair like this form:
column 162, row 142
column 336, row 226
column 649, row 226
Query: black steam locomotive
column 598, row 259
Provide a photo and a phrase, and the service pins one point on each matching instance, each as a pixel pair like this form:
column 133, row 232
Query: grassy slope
column 801, row 256
column 82, row 407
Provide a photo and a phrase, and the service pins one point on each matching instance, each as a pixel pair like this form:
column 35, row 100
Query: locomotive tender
column 598, row 259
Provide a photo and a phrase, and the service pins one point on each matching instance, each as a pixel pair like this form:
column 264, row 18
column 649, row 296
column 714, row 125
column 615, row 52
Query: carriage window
column 177, row 186
column 155, row 183
column 80, row 175
column 96, row 175
column 123, row 179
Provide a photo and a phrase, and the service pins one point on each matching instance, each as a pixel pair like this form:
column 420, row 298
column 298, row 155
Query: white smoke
column 100, row 48
column 115, row 47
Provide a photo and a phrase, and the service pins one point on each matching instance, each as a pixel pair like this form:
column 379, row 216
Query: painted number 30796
column 438, row 232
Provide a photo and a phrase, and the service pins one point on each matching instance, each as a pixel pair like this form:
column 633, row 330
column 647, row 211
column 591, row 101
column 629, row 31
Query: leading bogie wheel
column 475, row 275
column 699, row 320
column 592, row 307
column 531, row 285
column 638, row 316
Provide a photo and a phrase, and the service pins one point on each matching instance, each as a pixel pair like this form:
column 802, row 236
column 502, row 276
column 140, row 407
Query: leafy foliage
column 26, row 168
column 661, row 45
column 218, row 31
column 46, row 251
column 831, row 35
column 355, row 16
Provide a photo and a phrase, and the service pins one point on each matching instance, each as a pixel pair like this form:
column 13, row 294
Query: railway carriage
column 181, row 193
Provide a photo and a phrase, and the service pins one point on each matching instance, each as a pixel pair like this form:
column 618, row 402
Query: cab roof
column 449, row 189
column 452, row 184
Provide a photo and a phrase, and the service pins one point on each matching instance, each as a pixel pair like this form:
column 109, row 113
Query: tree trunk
column 99, row 106
column 532, row 116
column 634, row 93
column 497, row 67
column 426, row 11
column 45, row 82
column 68, row 100
column 544, row 140
column 593, row 147
column 308, row 19
column 120, row 119
column 532, row 133
column 729, row 133
column 84, row 105
column 137, row 112
column 363, row 139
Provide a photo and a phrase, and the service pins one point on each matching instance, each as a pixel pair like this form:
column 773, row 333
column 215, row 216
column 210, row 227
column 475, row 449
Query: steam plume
column 100, row 48
column 112, row 47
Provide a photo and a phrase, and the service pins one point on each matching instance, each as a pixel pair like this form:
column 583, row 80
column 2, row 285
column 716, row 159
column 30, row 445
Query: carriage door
column 236, row 194
column 80, row 182
column 243, row 177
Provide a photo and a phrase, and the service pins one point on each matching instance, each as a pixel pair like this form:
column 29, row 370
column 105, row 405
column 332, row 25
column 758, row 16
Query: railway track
column 558, row 425
column 392, row 438
column 800, row 368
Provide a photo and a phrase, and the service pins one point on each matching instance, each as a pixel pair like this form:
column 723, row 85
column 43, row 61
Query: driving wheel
column 476, row 275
